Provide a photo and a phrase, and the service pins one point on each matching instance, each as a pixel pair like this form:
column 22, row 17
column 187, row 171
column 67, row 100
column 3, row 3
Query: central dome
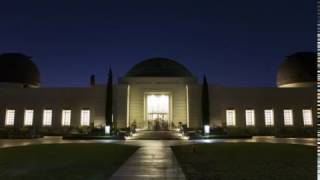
column 159, row 67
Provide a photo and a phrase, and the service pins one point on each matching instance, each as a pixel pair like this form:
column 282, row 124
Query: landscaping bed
column 20, row 136
column 245, row 133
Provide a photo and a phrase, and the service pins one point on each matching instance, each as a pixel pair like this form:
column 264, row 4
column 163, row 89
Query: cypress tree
column 92, row 80
column 205, row 102
column 109, row 99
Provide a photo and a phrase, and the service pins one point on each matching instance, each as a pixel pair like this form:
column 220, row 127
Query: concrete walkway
column 155, row 162
column 151, row 161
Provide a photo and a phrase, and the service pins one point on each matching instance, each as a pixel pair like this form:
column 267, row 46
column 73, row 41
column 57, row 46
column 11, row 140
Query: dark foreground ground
column 247, row 161
column 63, row 161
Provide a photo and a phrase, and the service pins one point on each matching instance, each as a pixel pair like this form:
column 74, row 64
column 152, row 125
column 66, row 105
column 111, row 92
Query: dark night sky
column 236, row 43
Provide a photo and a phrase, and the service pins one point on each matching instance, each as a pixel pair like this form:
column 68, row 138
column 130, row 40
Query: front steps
column 156, row 135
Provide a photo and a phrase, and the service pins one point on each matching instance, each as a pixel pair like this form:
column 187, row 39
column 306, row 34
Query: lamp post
column 109, row 103
column 206, row 130
column 205, row 106
column 107, row 130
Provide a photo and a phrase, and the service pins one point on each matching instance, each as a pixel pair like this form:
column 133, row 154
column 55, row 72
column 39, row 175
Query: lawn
column 63, row 161
column 247, row 161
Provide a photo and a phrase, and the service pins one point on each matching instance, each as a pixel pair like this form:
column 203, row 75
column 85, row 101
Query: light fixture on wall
column 206, row 129
column 107, row 130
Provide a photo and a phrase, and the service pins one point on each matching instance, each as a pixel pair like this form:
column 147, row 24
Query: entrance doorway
column 157, row 111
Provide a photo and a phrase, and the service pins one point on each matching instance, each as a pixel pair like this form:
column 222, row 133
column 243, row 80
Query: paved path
column 153, row 162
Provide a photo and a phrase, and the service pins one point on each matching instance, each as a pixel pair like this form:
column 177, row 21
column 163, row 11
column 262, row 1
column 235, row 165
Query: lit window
column 66, row 117
column 307, row 117
column 47, row 117
column 9, row 117
column 269, row 117
column 288, row 117
column 250, row 117
column 28, row 117
column 231, row 117
column 85, row 118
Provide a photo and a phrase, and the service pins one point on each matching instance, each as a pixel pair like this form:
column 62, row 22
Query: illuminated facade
column 160, row 94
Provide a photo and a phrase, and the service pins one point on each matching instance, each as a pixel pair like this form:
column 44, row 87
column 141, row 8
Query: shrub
column 84, row 130
column 218, row 131
column 234, row 131
column 309, row 132
column 44, row 131
column 25, row 130
column 265, row 131
column 97, row 132
column 11, row 130
column 74, row 130
column 3, row 131
column 66, row 130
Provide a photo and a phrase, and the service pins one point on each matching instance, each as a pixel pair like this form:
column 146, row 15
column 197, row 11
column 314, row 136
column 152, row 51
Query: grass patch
column 63, row 161
column 247, row 161
column 213, row 136
column 89, row 137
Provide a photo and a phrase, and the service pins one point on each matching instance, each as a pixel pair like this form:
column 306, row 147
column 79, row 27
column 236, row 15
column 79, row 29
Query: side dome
column 18, row 69
column 159, row 67
column 298, row 70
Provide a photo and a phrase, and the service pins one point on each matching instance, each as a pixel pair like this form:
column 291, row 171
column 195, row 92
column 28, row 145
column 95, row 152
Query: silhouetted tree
column 109, row 99
column 92, row 80
column 205, row 102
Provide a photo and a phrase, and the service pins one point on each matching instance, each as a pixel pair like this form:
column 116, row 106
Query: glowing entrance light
column 206, row 129
column 158, row 104
column 157, row 111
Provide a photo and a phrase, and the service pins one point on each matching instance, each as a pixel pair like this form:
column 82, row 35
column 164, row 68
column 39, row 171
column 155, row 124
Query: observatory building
column 157, row 94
